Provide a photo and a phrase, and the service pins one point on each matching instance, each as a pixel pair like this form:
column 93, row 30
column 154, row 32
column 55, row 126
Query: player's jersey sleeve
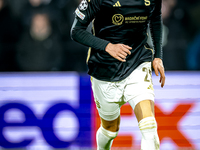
column 84, row 14
column 87, row 10
column 156, row 30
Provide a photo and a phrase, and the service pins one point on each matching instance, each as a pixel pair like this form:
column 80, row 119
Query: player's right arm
column 79, row 34
column 83, row 17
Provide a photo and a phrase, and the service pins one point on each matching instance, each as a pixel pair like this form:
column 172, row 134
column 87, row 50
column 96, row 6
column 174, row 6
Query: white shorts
column 110, row 96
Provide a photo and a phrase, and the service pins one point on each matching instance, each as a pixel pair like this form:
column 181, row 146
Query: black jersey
column 118, row 21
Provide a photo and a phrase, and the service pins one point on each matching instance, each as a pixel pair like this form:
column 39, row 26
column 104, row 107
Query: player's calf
column 148, row 128
column 104, row 138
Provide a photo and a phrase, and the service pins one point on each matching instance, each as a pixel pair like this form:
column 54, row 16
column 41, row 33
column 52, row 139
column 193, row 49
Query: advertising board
column 47, row 111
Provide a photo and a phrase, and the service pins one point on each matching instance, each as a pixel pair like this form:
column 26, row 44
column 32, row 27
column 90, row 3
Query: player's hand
column 118, row 51
column 158, row 67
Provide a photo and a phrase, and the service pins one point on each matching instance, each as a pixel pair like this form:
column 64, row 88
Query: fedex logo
column 44, row 112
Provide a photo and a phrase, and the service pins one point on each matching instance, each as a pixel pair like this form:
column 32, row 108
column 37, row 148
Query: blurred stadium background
column 46, row 101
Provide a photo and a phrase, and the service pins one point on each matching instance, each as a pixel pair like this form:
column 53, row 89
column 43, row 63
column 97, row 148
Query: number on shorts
column 148, row 74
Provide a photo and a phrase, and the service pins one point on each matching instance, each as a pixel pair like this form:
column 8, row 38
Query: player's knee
column 108, row 133
column 112, row 126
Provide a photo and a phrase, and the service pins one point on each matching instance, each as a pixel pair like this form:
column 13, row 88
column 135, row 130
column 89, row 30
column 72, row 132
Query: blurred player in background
column 120, row 62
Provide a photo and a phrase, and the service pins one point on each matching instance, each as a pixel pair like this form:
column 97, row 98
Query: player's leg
column 144, row 112
column 144, row 109
column 140, row 95
column 106, row 133
column 108, row 106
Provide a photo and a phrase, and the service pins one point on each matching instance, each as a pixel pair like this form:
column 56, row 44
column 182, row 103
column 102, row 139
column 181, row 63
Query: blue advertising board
column 48, row 111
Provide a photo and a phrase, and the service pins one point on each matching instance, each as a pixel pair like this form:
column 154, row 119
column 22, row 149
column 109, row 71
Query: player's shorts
column 110, row 96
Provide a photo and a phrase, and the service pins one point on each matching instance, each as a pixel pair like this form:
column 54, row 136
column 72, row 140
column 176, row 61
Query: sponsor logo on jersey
column 117, row 4
column 117, row 19
column 83, row 5
column 136, row 19
column 147, row 2
column 79, row 14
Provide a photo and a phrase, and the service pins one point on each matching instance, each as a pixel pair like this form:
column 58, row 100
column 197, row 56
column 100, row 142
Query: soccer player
column 120, row 62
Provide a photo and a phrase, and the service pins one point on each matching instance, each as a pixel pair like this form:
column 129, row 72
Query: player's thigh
column 108, row 102
column 139, row 91
column 144, row 109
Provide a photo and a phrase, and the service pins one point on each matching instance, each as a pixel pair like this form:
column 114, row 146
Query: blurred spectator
column 193, row 54
column 29, row 8
column 167, row 7
column 9, row 34
column 193, row 50
column 61, row 13
column 175, row 19
column 40, row 48
column 55, row 9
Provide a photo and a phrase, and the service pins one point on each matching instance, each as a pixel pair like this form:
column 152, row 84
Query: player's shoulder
column 93, row 1
column 84, row 4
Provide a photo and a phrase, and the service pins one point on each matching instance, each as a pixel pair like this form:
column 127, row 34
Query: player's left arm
column 159, row 68
column 156, row 33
